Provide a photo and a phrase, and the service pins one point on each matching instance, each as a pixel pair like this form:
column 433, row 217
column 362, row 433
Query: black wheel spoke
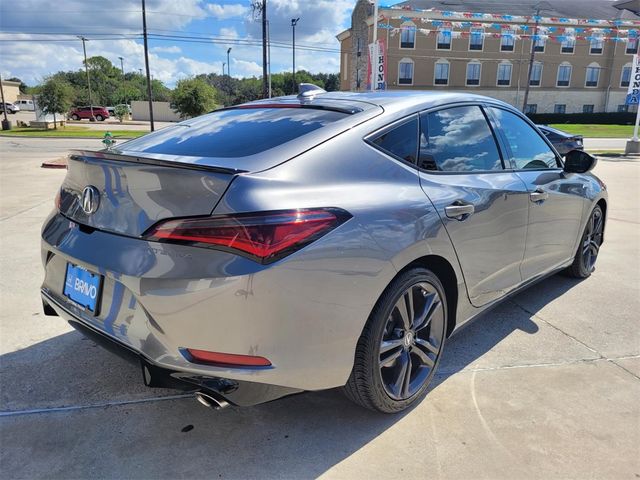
column 431, row 305
column 390, row 359
column 427, row 346
column 406, row 382
column 422, row 355
column 402, row 311
column 399, row 381
column 387, row 345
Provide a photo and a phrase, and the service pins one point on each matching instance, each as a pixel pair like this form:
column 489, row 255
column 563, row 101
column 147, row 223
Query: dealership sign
column 377, row 71
column 633, row 94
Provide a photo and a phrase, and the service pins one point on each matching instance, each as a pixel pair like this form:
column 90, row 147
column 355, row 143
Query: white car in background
column 25, row 105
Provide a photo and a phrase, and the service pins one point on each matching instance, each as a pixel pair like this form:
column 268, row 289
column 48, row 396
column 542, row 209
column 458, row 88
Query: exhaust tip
column 210, row 401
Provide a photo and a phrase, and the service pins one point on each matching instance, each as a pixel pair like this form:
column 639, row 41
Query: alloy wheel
column 592, row 240
column 411, row 341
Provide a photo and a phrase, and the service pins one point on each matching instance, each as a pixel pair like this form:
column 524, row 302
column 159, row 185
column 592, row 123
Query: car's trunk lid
column 135, row 193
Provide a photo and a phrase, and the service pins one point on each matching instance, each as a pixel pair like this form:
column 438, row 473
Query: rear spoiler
column 151, row 159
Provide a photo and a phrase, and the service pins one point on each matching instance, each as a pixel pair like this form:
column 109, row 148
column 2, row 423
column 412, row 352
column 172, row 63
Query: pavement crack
column 575, row 339
column 624, row 368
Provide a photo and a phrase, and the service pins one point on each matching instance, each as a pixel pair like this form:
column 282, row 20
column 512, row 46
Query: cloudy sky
column 187, row 37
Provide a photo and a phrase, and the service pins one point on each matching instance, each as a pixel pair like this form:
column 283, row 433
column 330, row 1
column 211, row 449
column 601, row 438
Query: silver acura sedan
column 314, row 241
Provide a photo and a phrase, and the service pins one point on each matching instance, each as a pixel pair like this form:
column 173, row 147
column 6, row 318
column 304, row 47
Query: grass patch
column 595, row 130
column 83, row 132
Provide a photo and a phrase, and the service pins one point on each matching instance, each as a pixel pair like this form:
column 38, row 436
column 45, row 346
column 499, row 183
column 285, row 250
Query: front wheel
column 401, row 344
column 584, row 263
column 100, row 118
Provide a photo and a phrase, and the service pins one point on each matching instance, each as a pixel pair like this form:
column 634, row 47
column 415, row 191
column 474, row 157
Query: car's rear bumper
column 304, row 314
column 236, row 392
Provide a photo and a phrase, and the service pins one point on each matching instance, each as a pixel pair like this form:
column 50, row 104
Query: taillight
column 224, row 359
column 58, row 200
column 262, row 236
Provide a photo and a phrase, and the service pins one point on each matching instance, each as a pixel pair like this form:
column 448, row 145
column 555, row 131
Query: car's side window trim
column 371, row 137
column 544, row 138
column 493, row 133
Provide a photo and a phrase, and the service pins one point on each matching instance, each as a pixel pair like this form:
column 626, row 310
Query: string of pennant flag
column 542, row 35
column 405, row 12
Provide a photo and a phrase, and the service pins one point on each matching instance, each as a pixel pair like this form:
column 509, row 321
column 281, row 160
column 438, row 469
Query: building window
column 597, row 44
column 476, row 39
column 623, row 108
column 538, row 44
column 632, row 45
column 564, row 75
column 536, row 74
column 593, row 73
column 504, row 74
column 559, row 108
column 441, row 73
column 507, row 41
column 531, row 109
column 473, row 73
column 568, row 45
column 405, row 72
column 444, row 39
column 587, row 108
column 626, row 76
column 408, row 37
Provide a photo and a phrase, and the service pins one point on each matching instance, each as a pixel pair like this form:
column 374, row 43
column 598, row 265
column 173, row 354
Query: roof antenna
column 309, row 90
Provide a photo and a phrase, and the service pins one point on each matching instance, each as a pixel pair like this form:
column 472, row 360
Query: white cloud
column 223, row 12
column 172, row 49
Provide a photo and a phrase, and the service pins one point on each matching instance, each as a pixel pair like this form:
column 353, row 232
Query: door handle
column 459, row 211
column 538, row 196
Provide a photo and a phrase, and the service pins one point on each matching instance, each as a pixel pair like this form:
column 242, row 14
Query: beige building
column 584, row 50
column 11, row 91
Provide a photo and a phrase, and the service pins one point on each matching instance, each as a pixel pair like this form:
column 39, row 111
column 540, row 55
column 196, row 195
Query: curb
column 58, row 163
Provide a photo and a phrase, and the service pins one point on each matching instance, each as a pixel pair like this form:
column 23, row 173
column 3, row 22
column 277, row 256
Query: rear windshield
column 235, row 133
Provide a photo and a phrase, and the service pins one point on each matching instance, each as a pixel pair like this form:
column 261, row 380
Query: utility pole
column 531, row 60
column 146, row 62
column 265, row 80
column 86, row 69
column 5, row 123
column 228, row 62
column 269, row 53
column 294, row 22
column 123, row 80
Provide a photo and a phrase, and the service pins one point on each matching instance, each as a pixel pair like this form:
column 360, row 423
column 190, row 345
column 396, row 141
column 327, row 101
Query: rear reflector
column 263, row 236
column 226, row 359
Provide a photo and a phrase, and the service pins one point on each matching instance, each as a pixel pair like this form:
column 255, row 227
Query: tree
column 23, row 86
column 193, row 97
column 56, row 96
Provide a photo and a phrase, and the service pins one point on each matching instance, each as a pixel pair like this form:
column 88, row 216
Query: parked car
column 80, row 113
column 563, row 141
column 10, row 107
column 311, row 242
column 25, row 105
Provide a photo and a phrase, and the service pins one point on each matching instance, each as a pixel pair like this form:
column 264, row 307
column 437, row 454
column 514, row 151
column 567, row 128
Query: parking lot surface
column 544, row 386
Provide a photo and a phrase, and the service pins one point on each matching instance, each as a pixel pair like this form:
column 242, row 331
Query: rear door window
column 528, row 149
column 238, row 132
column 400, row 141
column 457, row 139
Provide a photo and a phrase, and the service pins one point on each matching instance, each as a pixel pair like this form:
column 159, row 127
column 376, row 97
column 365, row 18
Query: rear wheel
column 401, row 344
column 75, row 117
column 100, row 118
column 584, row 262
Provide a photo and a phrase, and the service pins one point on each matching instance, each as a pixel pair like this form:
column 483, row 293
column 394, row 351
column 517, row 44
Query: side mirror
column 577, row 161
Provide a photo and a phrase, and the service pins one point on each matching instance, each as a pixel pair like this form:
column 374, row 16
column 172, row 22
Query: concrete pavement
column 544, row 386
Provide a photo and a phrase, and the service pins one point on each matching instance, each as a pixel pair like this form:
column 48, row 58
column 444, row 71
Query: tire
column 590, row 241
column 100, row 118
column 75, row 117
column 378, row 367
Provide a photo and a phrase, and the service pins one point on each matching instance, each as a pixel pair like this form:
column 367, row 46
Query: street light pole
column 228, row 61
column 123, row 80
column 294, row 22
column 146, row 62
column 223, row 65
column 122, row 65
column 86, row 69
column 265, row 73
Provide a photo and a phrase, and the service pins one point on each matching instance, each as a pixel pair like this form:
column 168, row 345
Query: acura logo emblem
column 90, row 199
